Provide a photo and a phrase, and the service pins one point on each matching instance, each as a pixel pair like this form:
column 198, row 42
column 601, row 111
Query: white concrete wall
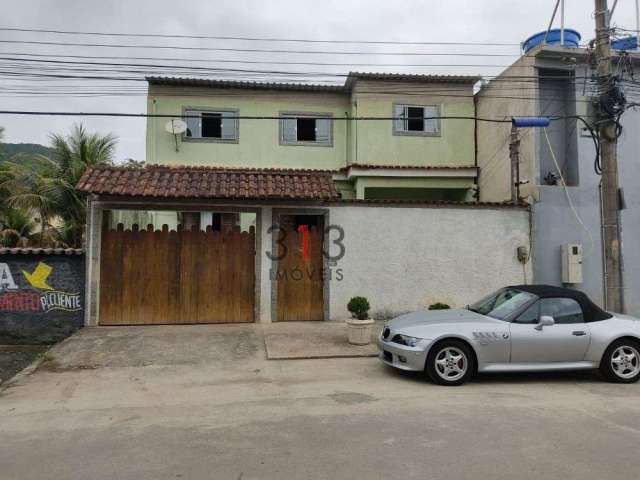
column 405, row 259
column 400, row 258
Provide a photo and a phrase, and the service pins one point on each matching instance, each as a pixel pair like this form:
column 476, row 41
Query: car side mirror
column 545, row 321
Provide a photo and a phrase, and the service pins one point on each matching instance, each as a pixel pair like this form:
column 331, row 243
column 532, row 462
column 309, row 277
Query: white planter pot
column 359, row 331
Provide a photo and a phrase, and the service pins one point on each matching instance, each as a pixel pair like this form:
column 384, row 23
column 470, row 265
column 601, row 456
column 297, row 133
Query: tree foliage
column 45, row 186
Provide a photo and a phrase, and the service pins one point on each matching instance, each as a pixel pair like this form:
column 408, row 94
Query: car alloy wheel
column 621, row 361
column 451, row 364
column 625, row 362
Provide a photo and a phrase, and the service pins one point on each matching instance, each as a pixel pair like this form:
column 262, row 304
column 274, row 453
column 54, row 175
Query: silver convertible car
column 520, row 328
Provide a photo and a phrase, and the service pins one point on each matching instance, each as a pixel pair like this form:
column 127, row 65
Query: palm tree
column 49, row 190
column 17, row 228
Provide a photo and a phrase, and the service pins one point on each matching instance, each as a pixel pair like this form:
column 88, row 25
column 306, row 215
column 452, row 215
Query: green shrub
column 359, row 308
column 439, row 306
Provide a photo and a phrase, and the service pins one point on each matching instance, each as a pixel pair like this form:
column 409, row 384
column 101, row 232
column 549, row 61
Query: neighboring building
column 412, row 158
column 556, row 81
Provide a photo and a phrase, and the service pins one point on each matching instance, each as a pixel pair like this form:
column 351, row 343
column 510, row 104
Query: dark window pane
column 211, row 125
column 216, row 222
column 306, row 129
column 563, row 310
column 530, row 315
column 415, row 122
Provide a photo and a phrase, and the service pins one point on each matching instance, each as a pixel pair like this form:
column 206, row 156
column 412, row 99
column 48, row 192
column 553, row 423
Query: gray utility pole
column 609, row 159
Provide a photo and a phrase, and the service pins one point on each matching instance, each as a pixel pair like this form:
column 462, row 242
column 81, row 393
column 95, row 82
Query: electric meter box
column 571, row 263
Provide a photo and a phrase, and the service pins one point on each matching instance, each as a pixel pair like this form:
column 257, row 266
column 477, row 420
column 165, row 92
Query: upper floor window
column 306, row 129
column 213, row 125
column 416, row 120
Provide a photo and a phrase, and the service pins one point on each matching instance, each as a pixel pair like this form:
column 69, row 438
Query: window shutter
column 229, row 125
column 194, row 128
column 289, row 130
column 323, row 130
column 400, row 115
column 431, row 125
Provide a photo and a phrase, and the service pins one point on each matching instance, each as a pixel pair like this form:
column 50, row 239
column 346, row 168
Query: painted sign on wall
column 41, row 297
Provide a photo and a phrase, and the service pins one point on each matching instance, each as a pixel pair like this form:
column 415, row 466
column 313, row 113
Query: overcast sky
column 500, row 21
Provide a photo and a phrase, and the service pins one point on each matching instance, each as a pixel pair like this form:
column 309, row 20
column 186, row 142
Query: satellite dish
column 176, row 126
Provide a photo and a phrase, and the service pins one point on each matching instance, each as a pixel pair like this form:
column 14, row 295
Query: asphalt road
column 228, row 413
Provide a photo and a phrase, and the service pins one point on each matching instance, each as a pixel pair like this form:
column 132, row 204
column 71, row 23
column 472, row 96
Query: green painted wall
column 258, row 144
column 364, row 142
column 428, row 194
column 363, row 185
column 375, row 143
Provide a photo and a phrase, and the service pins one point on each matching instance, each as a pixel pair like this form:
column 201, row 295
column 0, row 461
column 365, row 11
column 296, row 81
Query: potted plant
column 439, row 306
column 359, row 326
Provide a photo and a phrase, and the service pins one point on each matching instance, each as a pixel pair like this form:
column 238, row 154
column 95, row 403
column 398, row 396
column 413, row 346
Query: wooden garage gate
column 176, row 277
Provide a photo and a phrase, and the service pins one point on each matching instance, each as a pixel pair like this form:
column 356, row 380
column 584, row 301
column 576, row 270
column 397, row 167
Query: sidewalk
column 297, row 340
column 222, row 344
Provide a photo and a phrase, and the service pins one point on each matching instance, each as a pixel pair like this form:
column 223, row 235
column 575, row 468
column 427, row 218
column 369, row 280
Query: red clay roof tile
column 209, row 182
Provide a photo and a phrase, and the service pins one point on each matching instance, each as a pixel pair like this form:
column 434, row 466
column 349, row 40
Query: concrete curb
column 33, row 366
column 25, row 372
column 324, row 357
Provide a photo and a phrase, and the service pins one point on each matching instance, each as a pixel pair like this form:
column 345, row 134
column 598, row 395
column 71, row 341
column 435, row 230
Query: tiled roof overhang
column 162, row 181
column 244, row 84
column 372, row 166
column 350, row 81
column 417, row 171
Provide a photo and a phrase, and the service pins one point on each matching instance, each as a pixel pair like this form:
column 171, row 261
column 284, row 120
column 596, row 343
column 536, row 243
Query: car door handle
column 579, row 333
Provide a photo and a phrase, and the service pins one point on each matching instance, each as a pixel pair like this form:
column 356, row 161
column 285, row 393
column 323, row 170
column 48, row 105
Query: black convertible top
column 592, row 312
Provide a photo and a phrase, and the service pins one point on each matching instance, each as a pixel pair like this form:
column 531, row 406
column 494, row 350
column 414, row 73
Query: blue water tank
column 626, row 43
column 571, row 39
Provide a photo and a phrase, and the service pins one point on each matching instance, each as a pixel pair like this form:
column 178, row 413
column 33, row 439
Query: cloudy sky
column 23, row 86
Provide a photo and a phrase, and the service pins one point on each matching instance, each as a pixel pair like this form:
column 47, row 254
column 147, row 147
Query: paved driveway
column 203, row 402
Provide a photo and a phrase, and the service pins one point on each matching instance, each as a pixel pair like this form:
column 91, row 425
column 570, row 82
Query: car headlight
column 406, row 340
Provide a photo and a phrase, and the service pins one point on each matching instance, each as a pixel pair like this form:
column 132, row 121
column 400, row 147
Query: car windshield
column 502, row 303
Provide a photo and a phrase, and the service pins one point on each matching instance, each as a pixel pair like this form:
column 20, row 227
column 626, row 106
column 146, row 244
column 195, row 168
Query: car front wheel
column 621, row 362
column 450, row 362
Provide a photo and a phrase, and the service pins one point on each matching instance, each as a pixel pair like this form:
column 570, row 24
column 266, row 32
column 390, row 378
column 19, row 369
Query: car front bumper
column 401, row 356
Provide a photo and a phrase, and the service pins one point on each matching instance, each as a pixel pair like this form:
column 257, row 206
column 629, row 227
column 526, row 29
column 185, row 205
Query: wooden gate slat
column 172, row 277
column 299, row 282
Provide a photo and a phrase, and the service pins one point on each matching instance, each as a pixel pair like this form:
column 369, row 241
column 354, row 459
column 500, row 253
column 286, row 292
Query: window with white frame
column 416, row 120
column 211, row 125
column 306, row 129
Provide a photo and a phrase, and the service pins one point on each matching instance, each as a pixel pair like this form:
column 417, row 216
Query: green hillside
column 10, row 149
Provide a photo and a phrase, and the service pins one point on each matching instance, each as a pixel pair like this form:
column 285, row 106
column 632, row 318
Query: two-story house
column 346, row 129
column 278, row 202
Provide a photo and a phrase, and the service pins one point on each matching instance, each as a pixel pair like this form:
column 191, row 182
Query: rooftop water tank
column 571, row 39
column 626, row 43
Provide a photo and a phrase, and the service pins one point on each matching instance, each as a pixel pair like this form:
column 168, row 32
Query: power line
column 252, row 62
column 251, row 117
column 259, row 39
column 250, row 50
